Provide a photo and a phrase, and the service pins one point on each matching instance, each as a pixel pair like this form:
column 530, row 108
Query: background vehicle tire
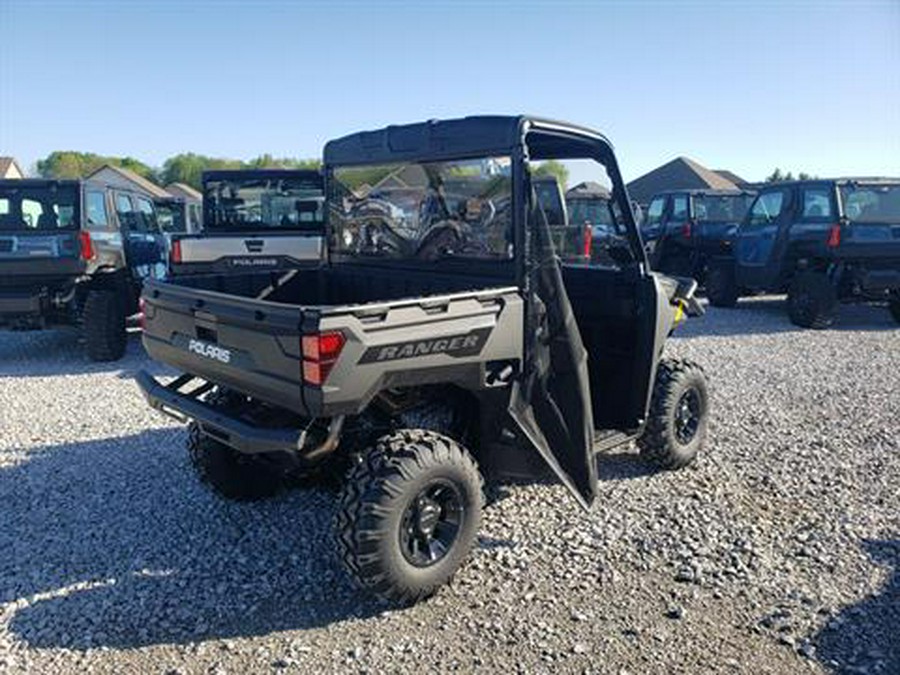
column 721, row 287
column 408, row 516
column 103, row 323
column 812, row 300
column 229, row 473
column 679, row 414
column 894, row 306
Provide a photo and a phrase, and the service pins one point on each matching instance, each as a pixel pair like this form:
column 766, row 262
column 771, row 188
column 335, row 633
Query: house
column 116, row 176
column 181, row 202
column 9, row 168
column 734, row 178
column 682, row 173
column 185, row 192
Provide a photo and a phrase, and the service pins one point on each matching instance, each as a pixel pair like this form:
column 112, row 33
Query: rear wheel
column 103, row 324
column 812, row 300
column 410, row 511
column 894, row 306
column 231, row 474
column 721, row 287
column 679, row 412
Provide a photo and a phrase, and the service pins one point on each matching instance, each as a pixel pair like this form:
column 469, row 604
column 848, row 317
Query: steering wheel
column 447, row 238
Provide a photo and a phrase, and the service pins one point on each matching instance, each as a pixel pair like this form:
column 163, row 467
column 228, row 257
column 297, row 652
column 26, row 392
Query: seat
column 47, row 221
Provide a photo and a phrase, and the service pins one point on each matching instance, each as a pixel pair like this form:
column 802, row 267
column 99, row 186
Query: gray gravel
column 778, row 552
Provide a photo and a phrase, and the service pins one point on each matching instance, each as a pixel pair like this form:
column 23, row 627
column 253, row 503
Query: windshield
column 594, row 212
column 260, row 203
column 721, row 208
column 872, row 203
column 38, row 207
column 424, row 211
column 170, row 216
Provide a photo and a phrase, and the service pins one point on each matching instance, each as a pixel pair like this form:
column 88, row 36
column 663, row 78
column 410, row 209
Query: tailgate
column 248, row 344
column 222, row 253
column 871, row 241
column 37, row 256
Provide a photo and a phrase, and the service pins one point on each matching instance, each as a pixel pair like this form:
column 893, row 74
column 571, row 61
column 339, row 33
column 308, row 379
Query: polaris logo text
column 254, row 262
column 454, row 345
column 209, row 351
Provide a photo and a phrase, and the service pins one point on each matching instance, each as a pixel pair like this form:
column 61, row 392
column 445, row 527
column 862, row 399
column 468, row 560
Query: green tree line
column 777, row 176
column 182, row 168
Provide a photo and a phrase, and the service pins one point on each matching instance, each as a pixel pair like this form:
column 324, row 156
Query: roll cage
column 522, row 138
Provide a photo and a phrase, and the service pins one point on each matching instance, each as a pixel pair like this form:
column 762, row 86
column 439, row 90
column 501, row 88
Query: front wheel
column 894, row 306
column 721, row 287
column 812, row 300
column 679, row 412
column 408, row 516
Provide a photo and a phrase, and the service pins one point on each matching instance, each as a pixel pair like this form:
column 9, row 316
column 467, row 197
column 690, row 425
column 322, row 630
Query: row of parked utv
column 427, row 313
column 822, row 242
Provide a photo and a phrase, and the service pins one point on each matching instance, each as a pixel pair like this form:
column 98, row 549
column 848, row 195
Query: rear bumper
column 225, row 428
column 871, row 279
column 879, row 280
column 20, row 303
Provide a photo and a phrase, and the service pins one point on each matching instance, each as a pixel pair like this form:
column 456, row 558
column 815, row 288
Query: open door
column 551, row 406
column 759, row 238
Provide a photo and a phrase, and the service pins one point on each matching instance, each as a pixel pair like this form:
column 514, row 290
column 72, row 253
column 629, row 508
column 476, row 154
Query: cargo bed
column 245, row 330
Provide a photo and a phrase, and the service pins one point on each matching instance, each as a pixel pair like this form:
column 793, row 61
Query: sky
column 744, row 86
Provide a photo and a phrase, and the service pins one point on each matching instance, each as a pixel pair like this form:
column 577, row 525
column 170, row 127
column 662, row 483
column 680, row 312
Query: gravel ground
column 778, row 552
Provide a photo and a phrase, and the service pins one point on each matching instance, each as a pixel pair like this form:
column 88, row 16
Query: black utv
column 823, row 242
column 685, row 229
column 440, row 343
column 75, row 253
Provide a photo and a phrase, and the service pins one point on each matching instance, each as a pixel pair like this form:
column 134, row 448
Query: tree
column 266, row 161
column 777, row 177
column 72, row 164
column 553, row 168
column 188, row 167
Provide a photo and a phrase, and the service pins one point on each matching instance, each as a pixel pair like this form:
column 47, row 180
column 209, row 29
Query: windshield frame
column 11, row 186
column 410, row 218
column 308, row 182
column 748, row 198
column 846, row 188
column 524, row 138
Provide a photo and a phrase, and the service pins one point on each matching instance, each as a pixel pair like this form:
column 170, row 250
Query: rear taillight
column 86, row 246
column 175, row 255
column 320, row 353
column 834, row 236
column 686, row 230
column 588, row 240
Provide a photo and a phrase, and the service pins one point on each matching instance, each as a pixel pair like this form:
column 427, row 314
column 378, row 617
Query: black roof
column 707, row 192
column 860, row 180
column 39, row 182
column 476, row 136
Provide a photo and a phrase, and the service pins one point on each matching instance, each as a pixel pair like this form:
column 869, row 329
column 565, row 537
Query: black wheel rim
column 688, row 412
column 431, row 523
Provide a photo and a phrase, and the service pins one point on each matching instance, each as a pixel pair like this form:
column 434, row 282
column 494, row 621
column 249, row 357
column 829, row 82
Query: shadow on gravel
column 60, row 352
column 865, row 637
column 768, row 315
column 615, row 466
column 114, row 543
